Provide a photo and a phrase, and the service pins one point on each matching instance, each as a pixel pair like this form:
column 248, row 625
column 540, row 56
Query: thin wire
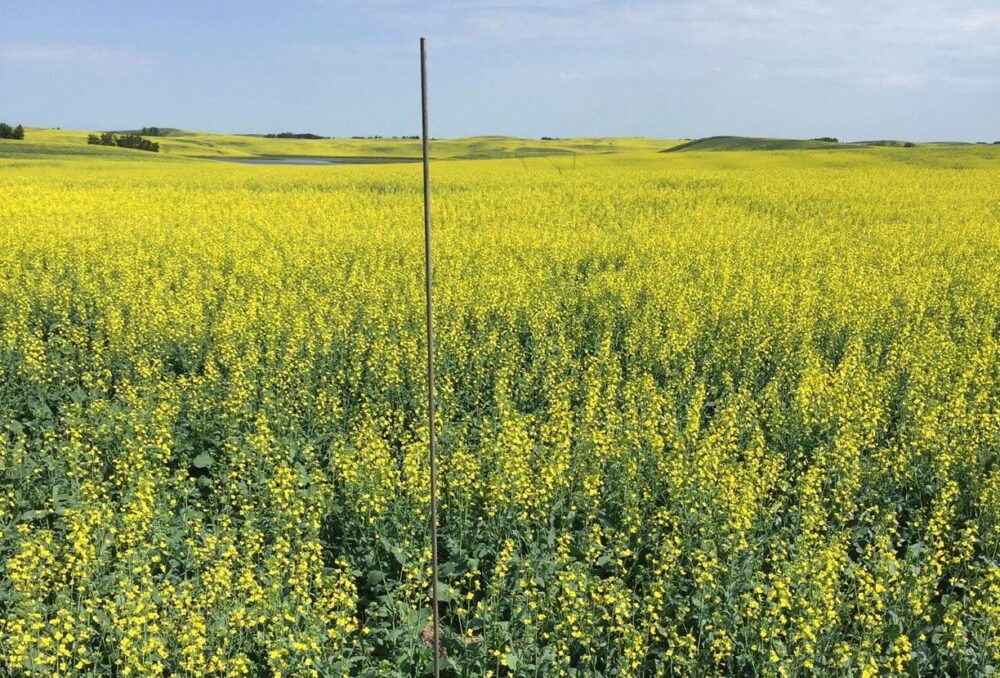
column 428, row 286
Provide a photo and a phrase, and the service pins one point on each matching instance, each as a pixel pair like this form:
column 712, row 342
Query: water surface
column 316, row 160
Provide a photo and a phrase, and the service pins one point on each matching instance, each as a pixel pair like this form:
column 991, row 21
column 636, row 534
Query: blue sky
column 855, row 69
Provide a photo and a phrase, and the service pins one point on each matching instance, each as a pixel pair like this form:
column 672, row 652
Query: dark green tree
column 137, row 142
column 123, row 141
column 19, row 132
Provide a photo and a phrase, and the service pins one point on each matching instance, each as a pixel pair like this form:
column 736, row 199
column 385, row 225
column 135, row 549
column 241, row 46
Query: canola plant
column 705, row 414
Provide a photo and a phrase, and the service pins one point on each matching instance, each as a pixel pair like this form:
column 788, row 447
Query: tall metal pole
column 428, row 288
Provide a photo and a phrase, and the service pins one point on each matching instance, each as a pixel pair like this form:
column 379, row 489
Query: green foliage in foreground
column 719, row 414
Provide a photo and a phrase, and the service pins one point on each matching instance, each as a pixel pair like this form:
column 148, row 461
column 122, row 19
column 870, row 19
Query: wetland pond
column 315, row 160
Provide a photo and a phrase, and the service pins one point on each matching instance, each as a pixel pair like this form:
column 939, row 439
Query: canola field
column 699, row 413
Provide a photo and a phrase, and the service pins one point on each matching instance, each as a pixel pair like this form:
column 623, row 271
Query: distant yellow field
column 718, row 413
column 41, row 141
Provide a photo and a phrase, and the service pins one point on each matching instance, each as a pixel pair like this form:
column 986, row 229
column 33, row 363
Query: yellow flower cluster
column 698, row 414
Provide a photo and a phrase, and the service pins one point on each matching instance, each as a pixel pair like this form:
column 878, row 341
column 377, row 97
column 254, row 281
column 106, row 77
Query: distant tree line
column 123, row 141
column 379, row 136
column 294, row 135
column 8, row 132
column 832, row 140
column 151, row 132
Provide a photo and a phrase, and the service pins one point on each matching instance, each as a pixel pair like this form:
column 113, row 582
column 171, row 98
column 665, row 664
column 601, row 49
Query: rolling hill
column 735, row 143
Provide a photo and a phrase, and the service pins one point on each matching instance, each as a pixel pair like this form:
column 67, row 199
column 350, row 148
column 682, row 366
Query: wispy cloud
column 854, row 23
column 923, row 67
column 897, row 79
column 69, row 56
column 861, row 36
column 981, row 20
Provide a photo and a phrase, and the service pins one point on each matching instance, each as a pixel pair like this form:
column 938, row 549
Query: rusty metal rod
column 428, row 295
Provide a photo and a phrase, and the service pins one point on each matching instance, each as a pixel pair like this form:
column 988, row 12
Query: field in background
column 701, row 413
column 180, row 143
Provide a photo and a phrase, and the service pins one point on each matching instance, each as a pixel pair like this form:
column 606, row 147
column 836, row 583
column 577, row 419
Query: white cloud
column 982, row 20
column 899, row 79
column 63, row 56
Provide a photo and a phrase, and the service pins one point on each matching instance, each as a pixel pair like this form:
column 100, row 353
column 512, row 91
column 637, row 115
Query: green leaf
column 445, row 593
column 28, row 516
column 203, row 460
column 511, row 659
column 102, row 619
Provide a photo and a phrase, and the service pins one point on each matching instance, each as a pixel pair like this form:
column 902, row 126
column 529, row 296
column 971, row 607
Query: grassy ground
column 728, row 143
column 53, row 145
column 732, row 143
column 51, row 142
